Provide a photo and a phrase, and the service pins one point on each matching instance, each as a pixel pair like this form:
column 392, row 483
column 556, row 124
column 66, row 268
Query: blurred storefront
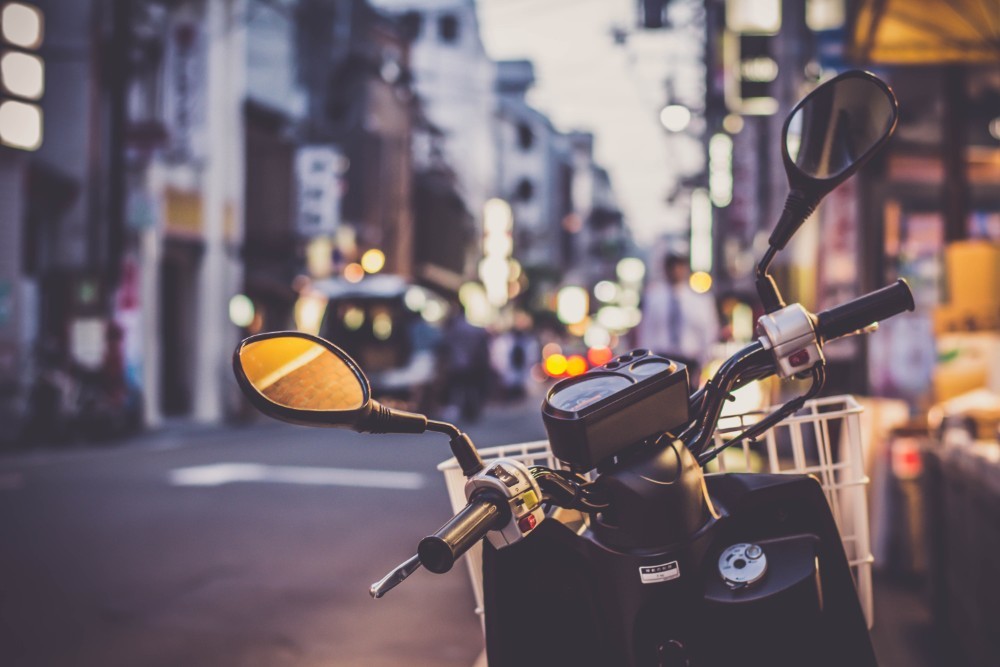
column 940, row 215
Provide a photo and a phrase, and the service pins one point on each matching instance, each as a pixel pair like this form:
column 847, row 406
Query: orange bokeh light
column 598, row 356
column 353, row 273
column 555, row 365
column 576, row 365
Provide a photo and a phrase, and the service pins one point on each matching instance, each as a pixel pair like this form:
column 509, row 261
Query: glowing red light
column 598, row 356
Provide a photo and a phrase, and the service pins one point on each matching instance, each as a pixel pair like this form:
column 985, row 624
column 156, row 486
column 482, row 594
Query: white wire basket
column 823, row 439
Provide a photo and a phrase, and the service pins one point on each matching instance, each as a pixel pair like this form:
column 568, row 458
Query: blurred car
column 392, row 329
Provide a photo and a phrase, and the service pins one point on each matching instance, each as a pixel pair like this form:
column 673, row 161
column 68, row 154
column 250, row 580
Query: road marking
column 225, row 473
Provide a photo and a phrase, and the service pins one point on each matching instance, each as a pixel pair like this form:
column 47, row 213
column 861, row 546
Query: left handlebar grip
column 438, row 552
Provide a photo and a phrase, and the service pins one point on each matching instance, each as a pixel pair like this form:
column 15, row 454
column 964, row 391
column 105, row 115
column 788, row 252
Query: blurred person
column 678, row 322
column 465, row 354
column 514, row 352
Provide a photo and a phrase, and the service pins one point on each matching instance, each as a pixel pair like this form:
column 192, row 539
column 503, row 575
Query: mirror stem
column 767, row 289
column 382, row 419
column 461, row 447
column 798, row 207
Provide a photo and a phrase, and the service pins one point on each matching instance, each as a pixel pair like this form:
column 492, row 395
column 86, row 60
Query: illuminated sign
column 22, row 75
column 750, row 70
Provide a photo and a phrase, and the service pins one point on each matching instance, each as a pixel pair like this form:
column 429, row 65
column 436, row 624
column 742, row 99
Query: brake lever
column 871, row 328
column 394, row 578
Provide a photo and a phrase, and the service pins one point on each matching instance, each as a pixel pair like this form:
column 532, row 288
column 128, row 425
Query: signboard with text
column 317, row 174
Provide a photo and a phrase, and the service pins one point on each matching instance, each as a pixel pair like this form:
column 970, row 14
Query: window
column 412, row 22
column 525, row 190
column 448, row 28
column 525, row 137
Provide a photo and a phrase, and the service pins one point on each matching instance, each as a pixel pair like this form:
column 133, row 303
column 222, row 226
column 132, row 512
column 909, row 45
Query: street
column 104, row 561
column 155, row 552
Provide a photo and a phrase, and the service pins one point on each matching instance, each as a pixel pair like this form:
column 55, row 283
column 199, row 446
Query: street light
column 572, row 304
column 373, row 260
column 675, row 117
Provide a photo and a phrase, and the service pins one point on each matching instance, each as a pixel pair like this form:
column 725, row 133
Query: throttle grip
column 865, row 310
column 485, row 511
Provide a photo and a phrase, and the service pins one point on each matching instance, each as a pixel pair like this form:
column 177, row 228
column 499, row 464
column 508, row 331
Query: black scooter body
column 559, row 598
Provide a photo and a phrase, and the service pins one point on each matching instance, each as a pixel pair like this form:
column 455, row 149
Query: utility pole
column 223, row 205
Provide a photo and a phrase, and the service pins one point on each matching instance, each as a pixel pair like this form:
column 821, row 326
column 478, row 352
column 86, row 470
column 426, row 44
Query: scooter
column 669, row 566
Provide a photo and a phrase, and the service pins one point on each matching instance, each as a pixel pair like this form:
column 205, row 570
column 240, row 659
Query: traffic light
column 22, row 75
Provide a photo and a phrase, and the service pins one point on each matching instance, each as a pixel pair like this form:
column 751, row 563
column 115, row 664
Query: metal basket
column 824, row 439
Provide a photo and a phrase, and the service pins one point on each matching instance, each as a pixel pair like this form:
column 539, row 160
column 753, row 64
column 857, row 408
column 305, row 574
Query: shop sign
column 750, row 73
column 184, row 89
column 183, row 212
column 317, row 174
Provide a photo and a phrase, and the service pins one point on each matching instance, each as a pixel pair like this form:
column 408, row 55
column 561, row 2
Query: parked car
column 392, row 328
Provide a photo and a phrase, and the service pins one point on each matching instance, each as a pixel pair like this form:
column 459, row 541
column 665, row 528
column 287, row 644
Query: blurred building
column 329, row 123
column 313, row 140
column 454, row 78
column 198, row 163
column 535, row 176
column 190, row 152
column 566, row 223
column 61, row 179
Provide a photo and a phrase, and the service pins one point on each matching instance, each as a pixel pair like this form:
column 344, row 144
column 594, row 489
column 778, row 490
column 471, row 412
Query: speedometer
column 588, row 390
column 591, row 417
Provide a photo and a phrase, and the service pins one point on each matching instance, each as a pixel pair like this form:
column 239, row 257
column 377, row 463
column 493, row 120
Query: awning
column 925, row 32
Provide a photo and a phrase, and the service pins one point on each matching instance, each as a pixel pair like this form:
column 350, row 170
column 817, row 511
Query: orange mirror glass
column 298, row 373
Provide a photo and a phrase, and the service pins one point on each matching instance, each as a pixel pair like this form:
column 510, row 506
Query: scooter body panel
column 568, row 599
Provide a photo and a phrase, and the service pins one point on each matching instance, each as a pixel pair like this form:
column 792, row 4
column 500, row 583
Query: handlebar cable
column 567, row 489
column 751, row 360
column 696, row 402
column 818, row 375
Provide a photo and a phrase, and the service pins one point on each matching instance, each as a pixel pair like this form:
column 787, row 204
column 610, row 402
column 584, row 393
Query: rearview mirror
column 304, row 379
column 827, row 137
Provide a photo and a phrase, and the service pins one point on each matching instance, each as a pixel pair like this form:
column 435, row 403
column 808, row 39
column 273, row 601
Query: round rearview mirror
column 836, row 128
column 828, row 136
column 298, row 373
column 302, row 379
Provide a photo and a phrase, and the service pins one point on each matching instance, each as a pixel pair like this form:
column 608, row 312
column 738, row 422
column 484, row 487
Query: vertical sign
column 317, row 174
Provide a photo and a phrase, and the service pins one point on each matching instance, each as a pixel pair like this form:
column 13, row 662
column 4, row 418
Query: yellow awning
column 925, row 32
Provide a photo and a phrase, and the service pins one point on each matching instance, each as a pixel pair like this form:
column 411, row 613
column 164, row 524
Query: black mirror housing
column 833, row 131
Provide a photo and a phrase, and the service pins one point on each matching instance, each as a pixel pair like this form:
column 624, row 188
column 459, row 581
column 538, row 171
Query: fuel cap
column 742, row 564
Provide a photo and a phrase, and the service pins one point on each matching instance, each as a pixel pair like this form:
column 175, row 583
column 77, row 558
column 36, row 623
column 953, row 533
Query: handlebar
column 485, row 511
column 865, row 310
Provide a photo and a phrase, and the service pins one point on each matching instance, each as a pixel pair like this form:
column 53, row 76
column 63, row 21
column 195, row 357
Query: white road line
column 226, row 473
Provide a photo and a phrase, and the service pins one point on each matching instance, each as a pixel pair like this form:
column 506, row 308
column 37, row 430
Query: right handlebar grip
column 438, row 552
column 859, row 313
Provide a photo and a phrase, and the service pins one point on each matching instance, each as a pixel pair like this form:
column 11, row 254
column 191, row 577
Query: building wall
column 73, row 128
column 527, row 179
column 454, row 78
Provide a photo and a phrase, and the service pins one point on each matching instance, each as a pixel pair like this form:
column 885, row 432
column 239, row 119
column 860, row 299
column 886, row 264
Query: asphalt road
column 250, row 546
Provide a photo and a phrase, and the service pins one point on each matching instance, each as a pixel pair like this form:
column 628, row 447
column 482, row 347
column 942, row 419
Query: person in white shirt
column 678, row 322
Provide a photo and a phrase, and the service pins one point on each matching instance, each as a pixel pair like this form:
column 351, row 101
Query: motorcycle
column 669, row 565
